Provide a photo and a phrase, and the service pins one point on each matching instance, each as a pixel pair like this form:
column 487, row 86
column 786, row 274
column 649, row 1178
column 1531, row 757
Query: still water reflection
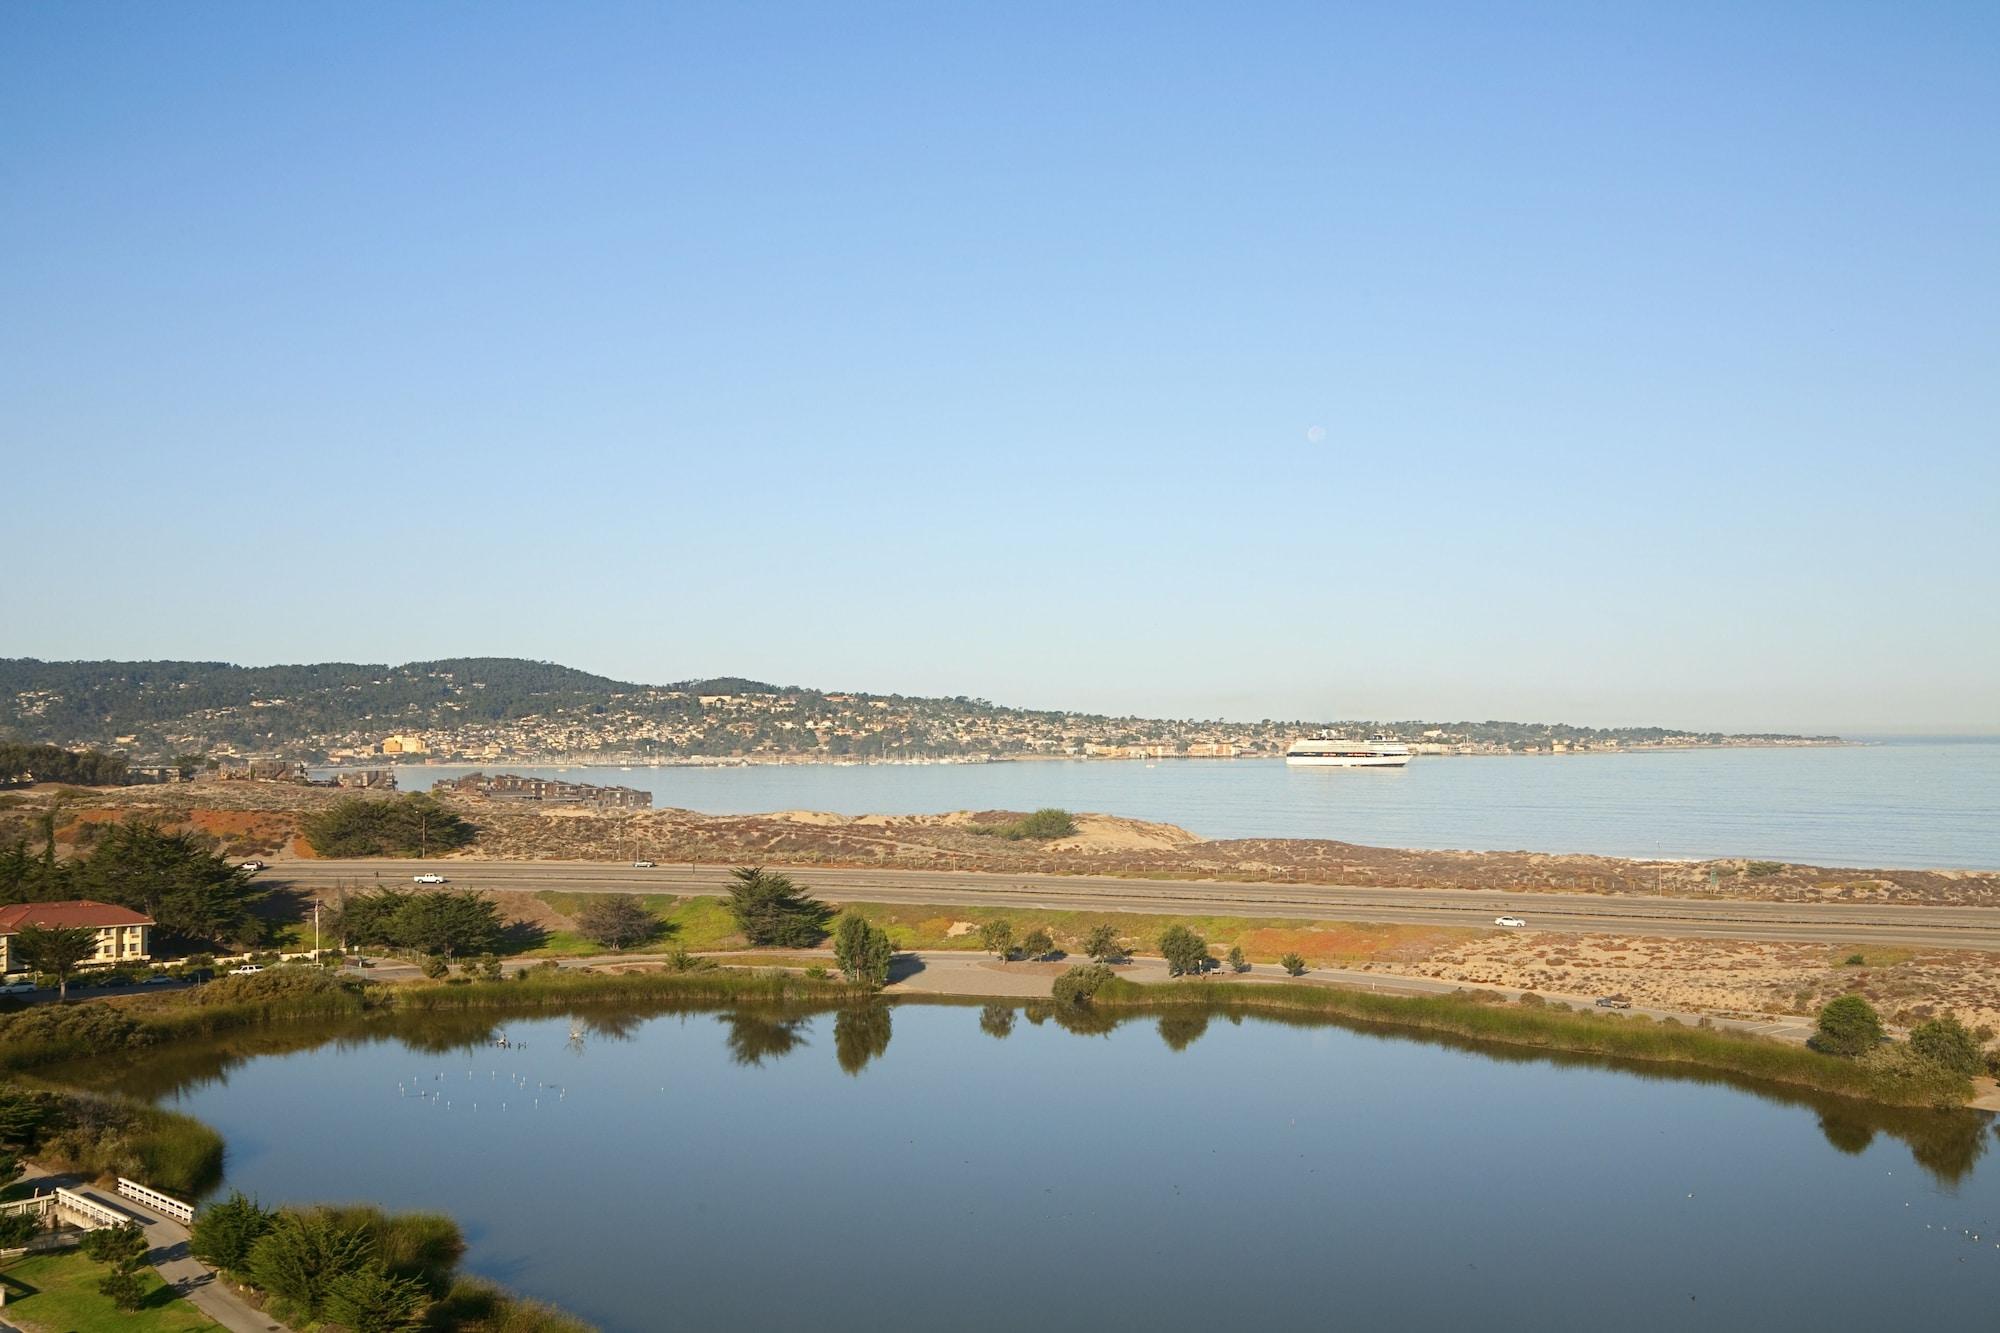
column 969, row 1167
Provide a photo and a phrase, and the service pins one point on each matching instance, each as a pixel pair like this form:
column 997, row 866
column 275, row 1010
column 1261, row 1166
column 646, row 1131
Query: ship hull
column 1348, row 760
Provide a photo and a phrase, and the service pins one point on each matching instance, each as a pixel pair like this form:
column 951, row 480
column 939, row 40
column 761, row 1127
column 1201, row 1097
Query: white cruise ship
column 1329, row 751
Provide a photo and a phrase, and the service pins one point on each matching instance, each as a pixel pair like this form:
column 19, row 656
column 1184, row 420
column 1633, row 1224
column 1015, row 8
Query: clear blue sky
column 1654, row 351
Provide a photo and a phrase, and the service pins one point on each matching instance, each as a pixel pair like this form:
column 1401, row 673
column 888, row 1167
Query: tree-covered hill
column 486, row 709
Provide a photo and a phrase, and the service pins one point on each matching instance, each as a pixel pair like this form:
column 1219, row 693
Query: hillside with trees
column 493, row 709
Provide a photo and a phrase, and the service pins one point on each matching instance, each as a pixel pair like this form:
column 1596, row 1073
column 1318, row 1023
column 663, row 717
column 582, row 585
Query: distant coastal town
column 485, row 711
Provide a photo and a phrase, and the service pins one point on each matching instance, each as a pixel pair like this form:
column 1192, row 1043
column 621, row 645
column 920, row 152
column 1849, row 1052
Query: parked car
column 1613, row 1002
column 17, row 988
column 429, row 877
column 247, row 970
column 253, row 866
column 157, row 979
column 642, row 865
column 1508, row 921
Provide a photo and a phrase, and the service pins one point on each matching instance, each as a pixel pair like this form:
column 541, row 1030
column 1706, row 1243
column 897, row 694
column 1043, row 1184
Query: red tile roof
column 82, row 912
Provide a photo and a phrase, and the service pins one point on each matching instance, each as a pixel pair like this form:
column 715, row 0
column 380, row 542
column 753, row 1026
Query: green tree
column 302, row 1254
column 1038, row 943
column 997, row 938
column 1294, row 965
column 223, row 1233
column 369, row 918
column 125, row 1288
column 862, row 950
column 617, row 921
column 1237, row 962
column 1947, row 1043
column 123, row 1248
column 177, row 879
column 18, row 1230
column 771, row 910
column 448, row 922
column 1848, row 1026
column 56, row 949
column 1101, row 944
column 370, row 1299
column 416, row 824
column 1185, row 951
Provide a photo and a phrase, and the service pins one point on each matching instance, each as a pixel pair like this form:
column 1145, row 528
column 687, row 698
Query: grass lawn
column 62, row 1297
column 694, row 924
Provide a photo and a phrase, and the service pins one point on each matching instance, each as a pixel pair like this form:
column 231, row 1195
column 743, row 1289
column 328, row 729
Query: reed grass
column 1890, row 1078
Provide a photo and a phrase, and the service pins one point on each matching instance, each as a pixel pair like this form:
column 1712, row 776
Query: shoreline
column 828, row 761
column 148, row 1030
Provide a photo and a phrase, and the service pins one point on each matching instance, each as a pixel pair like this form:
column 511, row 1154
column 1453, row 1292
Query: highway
column 1817, row 923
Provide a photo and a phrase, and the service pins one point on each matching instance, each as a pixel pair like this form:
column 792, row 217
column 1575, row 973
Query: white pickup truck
column 429, row 877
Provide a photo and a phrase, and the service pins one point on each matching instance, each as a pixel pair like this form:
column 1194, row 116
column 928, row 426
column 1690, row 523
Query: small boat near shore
column 1329, row 751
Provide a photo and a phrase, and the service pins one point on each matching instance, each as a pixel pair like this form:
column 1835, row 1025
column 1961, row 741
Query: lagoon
column 952, row 1166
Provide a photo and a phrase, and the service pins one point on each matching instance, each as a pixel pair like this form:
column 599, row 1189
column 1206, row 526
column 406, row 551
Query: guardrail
column 158, row 1202
column 97, row 1214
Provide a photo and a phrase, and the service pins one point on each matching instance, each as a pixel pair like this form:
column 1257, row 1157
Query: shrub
column 1294, row 965
column 1847, row 1026
column 224, row 1232
column 17, row 1229
column 301, row 1255
column 1038, row 943
column 1947, row 1043
column 370, row 1299
column 1043, row 825
column 1102, row 944
column 1237, row 962
column 1075, row 987
column 435, row 967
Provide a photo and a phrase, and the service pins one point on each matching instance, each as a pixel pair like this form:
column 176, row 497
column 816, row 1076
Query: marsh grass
column 1890, row 1079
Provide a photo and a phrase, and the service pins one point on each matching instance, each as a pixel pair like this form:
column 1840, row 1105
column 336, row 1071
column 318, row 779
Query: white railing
column 97, row 1214
column 158, row 1202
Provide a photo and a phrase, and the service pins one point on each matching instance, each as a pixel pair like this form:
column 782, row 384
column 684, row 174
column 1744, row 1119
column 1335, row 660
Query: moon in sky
column 1315, row 434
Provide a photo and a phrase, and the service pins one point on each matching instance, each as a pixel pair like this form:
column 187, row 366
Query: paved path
column 168, row 1240
column 976, row 975
column 1636, row 914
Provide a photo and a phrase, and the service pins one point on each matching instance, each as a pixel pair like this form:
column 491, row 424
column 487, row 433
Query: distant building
column 123, row 936
column 404, row 745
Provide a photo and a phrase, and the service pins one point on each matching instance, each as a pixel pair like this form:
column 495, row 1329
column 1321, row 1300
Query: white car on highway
column 1508, row 921
column 429, row 877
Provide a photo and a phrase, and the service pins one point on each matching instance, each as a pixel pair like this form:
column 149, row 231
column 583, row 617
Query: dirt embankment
column 259, row 819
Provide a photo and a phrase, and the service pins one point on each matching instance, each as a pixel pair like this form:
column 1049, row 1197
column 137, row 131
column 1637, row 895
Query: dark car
column 1613, row 1002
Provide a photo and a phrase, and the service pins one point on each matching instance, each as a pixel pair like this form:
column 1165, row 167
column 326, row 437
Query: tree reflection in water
column 756, row 1037
column 860, row 1035
column 997, row 1021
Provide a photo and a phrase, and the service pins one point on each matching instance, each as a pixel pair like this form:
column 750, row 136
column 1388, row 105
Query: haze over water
column 1919, row 803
